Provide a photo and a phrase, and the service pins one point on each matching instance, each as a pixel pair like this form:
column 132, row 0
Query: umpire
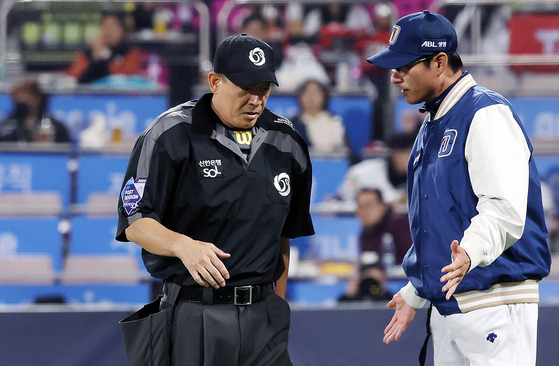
column 214, row 190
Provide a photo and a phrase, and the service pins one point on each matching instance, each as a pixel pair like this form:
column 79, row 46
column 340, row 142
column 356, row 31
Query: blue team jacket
column 442, row 203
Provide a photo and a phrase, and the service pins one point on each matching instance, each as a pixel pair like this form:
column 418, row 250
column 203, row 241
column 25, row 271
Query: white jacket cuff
column 410, row 297
column 475, row 252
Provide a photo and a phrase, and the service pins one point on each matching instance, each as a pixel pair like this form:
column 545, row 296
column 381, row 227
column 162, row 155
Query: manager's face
column 418, row 83
column 238, row 107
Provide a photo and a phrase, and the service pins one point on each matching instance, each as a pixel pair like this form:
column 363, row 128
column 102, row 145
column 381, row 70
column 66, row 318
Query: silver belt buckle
column 245, row 293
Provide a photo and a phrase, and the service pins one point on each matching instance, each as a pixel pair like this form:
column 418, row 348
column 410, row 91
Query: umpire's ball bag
column 147, row 335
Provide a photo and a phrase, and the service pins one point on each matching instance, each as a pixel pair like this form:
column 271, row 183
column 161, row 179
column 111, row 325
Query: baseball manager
column 475, row 207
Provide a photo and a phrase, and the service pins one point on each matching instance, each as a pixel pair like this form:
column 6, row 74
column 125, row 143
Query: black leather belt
column 238, row 295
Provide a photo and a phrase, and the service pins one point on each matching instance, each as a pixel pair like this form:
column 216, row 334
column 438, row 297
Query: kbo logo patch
column 132, row 194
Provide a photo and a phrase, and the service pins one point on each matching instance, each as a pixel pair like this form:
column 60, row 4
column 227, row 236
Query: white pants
column 504, row 335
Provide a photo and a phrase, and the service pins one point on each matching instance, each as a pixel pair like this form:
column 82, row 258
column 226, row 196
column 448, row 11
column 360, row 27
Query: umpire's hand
column 203, row 261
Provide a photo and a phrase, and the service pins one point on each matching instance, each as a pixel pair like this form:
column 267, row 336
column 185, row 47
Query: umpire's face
column 238, row 107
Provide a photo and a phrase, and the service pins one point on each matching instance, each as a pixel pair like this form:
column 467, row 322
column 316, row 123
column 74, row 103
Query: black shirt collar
column 433, row 106
column 204, row 119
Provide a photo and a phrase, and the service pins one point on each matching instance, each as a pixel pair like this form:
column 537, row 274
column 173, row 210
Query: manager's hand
column 403, row 315
column 456, row 270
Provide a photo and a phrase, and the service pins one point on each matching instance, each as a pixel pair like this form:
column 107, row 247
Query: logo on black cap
column 257, row 56
column 231, row 60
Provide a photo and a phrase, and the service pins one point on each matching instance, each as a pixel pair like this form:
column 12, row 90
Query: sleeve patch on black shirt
column 132, row 195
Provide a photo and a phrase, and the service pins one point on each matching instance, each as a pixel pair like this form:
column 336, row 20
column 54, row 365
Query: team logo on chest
column 447, row 143
column 211, row 168
column 282, row 184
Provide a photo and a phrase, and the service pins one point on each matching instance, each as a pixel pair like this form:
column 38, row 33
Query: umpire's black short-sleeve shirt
column 185, row 173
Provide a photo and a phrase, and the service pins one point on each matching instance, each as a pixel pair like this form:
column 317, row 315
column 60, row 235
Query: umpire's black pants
column 231, row 335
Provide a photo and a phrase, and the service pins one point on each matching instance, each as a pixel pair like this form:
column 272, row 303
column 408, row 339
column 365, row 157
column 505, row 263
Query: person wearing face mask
column 214, row 191
column 29, row 120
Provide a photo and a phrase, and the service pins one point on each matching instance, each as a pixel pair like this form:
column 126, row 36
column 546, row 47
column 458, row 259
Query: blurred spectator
column 235, row 18
column 161, row 17
column 384, row 16
column 368, row 286
column 386, row 175
column 323, row 131
column 300, row 63
column 143, row 16
column 257, row 25
column 348, row 16
column 274, row 14
column 293, row 18
column 29, row 120
column 337, row 28
column 385, row 234
column 108, row 54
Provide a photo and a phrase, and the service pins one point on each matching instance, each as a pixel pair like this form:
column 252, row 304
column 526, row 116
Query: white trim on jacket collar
column 455, row 94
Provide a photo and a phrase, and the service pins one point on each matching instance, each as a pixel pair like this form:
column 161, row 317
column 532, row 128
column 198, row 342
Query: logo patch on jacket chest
column 447, row 143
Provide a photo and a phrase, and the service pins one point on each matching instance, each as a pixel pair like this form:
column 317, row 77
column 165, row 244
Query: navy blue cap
column 245, row 60
column 416, row 35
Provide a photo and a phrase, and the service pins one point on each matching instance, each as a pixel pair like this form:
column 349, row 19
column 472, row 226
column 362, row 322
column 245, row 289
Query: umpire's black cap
column 245, row 60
